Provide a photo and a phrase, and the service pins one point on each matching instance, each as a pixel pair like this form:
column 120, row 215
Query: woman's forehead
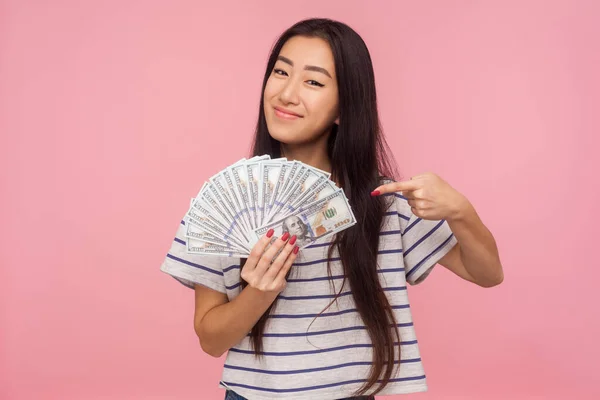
column 302, row 51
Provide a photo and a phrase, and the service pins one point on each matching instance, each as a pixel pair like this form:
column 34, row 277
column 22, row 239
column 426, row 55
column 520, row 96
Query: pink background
column 113, row 113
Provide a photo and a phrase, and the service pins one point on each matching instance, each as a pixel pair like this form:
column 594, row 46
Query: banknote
column 313, row 221
column 269, row 170
column 289, row 179
column 253, row 182
column 300, row 187
column 243, row 201
column 241, row 189
column 202, row 228
column 224, row 185
column 203, row 217
column 210, row 197
column 194, row 231
column 195, row 246
column 282, row 174
column 320, row 188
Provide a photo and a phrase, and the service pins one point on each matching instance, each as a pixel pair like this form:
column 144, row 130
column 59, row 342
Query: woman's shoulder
column 396, row 199
column 396, row 204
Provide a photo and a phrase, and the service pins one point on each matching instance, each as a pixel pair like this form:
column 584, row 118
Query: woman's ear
column 337, row 121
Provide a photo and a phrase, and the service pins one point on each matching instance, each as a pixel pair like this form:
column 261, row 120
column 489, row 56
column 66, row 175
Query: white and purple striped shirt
column 329, row 356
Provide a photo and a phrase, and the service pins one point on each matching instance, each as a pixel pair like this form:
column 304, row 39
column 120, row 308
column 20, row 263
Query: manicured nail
column 375, row 193
column 293, row 239
column 270, row 233
column 285, row 236
column 296, row 249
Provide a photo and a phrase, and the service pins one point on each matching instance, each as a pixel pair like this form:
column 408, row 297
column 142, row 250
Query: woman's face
column 301, row 95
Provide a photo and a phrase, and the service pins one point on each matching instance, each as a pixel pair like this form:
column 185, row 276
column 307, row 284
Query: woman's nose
column 289, row 93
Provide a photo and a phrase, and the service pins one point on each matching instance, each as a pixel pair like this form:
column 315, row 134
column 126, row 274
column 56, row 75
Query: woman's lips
column 284, row 115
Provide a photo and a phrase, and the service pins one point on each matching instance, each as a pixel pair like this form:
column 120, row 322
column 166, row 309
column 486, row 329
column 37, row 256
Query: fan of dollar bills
column 241, row 203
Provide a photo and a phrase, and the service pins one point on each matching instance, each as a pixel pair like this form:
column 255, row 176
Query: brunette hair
column 360, row 159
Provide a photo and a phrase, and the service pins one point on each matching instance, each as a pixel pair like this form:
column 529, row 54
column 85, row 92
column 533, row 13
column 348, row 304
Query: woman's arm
column 221, row 324
column 475, row 257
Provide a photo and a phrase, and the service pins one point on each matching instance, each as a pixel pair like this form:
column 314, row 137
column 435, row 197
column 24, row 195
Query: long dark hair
column 360, row 158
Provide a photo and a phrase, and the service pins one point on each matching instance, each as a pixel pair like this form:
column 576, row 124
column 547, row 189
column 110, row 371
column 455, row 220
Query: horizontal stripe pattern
column 311, row 388
column 315, row 344
column 326, row 332
column 317, row 369
column 330, row 314
column 428, row 256
column 317, row 351
column 195, row 265
column 332, row 295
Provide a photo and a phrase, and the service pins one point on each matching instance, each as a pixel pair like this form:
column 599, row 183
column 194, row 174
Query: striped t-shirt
column 329, row 356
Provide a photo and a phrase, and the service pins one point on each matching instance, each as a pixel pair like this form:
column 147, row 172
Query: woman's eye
column 279, row 71
column 315, row 83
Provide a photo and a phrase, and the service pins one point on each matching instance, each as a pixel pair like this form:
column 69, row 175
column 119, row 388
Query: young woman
column 332, row 321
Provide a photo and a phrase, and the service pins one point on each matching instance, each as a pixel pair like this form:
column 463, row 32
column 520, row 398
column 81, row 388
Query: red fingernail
column 375, row 193
column 285, row 236
column 296, row 249
column 293, row 239
column 270, row 233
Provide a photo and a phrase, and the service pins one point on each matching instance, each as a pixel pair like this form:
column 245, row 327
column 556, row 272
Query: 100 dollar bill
column 313, row 221
column 200, row 247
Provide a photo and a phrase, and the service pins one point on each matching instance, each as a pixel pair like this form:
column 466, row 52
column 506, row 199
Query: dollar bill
column 319, row 189
column 193, row 231
column 240, row 188
column 267, row 170
column 316, row 220
column 200, row 247
column 312, row 176
column 268, row 176
column 224, row 186
column 289, row 179
column 216, row 201
column 280, row 174
column 203, row 217
column 293, row 185
column 205, row 232
column 253, row 183
column 240, row 203
column 308, row 177
column 218, row 211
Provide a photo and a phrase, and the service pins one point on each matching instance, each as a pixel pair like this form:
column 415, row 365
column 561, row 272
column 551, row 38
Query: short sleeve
column 190, row 269
column 424, row 242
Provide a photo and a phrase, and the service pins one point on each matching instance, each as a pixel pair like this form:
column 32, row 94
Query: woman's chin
column 287, row 138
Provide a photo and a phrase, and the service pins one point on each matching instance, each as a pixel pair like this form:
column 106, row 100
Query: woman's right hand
column 263, row 275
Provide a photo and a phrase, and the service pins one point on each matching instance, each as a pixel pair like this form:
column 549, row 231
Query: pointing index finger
column 396, row 187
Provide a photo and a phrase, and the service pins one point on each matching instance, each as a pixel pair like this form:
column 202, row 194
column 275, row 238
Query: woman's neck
column 313, row 154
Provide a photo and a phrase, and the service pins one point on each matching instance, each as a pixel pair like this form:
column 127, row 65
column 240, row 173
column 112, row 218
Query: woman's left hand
column 429, row 196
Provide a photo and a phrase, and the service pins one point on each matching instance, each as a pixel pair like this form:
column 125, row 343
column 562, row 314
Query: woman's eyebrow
column 306, row 67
